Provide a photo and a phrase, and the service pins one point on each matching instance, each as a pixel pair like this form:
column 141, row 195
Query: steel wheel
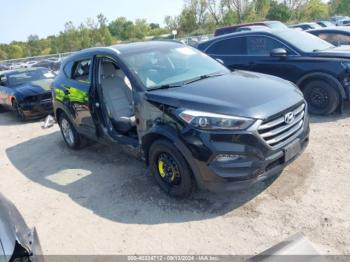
column 319, row 98
column 322, row 97
column 168, row 169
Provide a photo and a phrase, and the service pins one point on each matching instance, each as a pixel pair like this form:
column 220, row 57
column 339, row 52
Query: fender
column 338, row 85
column 59, row 106
column 163, row 131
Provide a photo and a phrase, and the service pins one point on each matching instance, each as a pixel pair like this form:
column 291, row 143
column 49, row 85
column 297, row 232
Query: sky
column 21, row 18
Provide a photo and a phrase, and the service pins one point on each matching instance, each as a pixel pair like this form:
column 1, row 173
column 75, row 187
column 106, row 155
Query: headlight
column 346, row 65
column 211, row 121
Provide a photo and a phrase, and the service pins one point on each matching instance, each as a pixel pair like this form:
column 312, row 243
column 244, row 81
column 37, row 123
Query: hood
column 238, row 93
column 34, row 87
column 337, row 52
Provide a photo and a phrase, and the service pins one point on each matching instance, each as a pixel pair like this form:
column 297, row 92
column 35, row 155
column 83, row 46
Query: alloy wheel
column 67, row 131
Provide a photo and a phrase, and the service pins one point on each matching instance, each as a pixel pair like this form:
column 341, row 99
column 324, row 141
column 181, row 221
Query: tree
column 3, row 55
column 340, row 7
column 237, row 6
column 188, row 21
column 172, row 22
column 279, row 11
column 198, row 8
column 34, row 47
column 104, row 35
column 216, row 10
column 315, row 9
column 140, row 29
column 262, row 8
column 121, row 28
column 15, row 51
column 154, row 26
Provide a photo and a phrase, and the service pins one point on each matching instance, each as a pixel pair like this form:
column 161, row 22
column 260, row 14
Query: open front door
column 113, row 104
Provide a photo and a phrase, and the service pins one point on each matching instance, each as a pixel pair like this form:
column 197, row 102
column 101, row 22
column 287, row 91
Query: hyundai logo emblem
column 289, row 118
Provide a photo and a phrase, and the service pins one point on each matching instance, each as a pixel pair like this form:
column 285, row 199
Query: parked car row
column 49, row 63
column 320, row 69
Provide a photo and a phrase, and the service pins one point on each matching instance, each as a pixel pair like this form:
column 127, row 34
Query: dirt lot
column 101, row 201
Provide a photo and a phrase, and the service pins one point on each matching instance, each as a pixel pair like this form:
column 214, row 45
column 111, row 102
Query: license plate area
column 292, row 150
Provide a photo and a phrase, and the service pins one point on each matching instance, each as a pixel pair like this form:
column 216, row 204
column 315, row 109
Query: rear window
column 232, row 46
column 81, row 71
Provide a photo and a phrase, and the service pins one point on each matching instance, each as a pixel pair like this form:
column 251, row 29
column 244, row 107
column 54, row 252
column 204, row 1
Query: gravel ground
column 100, row 200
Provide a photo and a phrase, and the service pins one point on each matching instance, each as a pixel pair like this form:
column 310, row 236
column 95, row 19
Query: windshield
column 20, row 78
column 304, row 41
column 171, row 65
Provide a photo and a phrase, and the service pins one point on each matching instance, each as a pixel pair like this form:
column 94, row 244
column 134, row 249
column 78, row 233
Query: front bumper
column 256, row 161
column 37, row 109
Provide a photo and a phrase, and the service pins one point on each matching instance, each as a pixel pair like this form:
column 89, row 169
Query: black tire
column 2, row 109
column 183, row 184
column 70, row 135
column 322, row 97
column 18, row 110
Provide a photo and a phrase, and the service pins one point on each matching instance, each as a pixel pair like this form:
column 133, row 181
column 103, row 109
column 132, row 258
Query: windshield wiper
column 202, row 77
column 167, row 86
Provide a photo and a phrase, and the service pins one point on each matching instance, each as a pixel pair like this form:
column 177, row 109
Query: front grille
column 45, row 96
column 277, row 132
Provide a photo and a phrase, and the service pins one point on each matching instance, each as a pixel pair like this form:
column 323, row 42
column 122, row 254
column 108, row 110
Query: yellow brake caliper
column 161, row 168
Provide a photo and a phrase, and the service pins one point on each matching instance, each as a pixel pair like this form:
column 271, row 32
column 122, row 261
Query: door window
column 335, row 39
column 232, row 46
column 261, row 45
column 81, row 71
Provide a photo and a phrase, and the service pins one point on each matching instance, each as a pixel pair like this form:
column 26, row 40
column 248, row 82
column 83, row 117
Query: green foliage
column 15, row 51
column 279, row 11
column 88, row 34
column 315, row 9
column 187, row 21
column 339, row 7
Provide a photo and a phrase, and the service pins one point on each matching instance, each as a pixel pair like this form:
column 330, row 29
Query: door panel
column 75, row 95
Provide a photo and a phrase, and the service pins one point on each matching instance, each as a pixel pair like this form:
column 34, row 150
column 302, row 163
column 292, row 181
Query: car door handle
column 252, row 64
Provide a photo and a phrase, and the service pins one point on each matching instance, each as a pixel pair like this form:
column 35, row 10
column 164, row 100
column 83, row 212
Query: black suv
column 321, row 70
column 194, row 121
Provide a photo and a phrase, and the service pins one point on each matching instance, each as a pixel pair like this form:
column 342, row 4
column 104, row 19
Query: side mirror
column 279, row 52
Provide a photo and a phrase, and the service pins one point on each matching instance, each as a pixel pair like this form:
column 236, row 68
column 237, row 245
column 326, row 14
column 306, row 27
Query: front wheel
column 2, row 109
column 19, row 111
column 322, row 98
column 170, row 169
column 70, row 135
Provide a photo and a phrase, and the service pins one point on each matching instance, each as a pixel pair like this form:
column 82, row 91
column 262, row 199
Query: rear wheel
column 70, row 135
column 322, row 98
column 170, row 169
column 19, row 111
